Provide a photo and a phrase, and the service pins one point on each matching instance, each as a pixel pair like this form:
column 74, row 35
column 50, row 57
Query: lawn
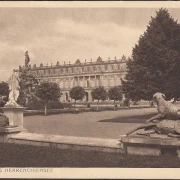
column 103, row 124
column 14, row 155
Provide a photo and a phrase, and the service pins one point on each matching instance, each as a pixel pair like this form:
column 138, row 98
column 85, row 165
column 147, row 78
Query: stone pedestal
column 153, row 146
column 7, row 132
column 15, row 115
column 143, row 150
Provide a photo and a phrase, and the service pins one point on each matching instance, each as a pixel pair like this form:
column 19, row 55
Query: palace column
column 101, row 81
column 95, row 82
column 115, row 80
column 88, row 81
column 69, row 82
column 63, row 83
column 78, row 81
column 108, row 81
column 83, row 82
column 73, row 81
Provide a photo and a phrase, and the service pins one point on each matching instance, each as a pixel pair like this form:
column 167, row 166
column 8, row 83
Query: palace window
column 88, row 69
column 88, row 84
column 91, row 69
column 51, row 71
column 112, row 67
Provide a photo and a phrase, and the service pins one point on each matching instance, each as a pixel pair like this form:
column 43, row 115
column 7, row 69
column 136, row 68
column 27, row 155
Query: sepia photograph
column 89, row 89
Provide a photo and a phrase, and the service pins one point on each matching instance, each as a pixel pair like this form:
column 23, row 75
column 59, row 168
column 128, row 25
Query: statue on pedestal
column 167, row 121
column 27, row 59
column 14, row 88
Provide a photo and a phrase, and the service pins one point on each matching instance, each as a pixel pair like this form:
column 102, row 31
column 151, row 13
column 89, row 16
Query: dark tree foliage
column 48, row 91
column 4, row 93
column 77, row 93
column 4, row 89
column 99, row 93
column 22, row 98
column 115, row 93
column 155, row 63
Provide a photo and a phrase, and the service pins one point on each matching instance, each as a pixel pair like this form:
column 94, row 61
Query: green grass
column 13, row 155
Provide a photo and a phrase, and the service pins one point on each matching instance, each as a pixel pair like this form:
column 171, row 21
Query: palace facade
column 88, row 75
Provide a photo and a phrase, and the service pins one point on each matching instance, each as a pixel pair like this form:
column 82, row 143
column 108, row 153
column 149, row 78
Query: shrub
column 35, row 105
column 67, row 105
column 39, row 105
column 55, row 105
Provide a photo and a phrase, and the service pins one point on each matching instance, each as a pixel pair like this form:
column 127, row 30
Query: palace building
column 88, row 75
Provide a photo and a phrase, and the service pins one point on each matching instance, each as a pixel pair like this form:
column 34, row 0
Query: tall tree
column 155, row 60
column 99, row 93
column 77, row 93
column 48, row 91
column 115, row 93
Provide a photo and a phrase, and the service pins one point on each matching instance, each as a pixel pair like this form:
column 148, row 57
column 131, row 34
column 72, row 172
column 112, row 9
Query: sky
column 68, row 34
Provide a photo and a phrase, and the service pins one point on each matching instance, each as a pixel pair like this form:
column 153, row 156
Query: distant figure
column 27, row 59
column 126, row 102
column 14, row 87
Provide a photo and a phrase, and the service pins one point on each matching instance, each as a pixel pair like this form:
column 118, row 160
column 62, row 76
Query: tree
column 4, row 92
column 48, row 91
column 115, row 94
column 77, row 93
column 155, row 63
column 99, row 93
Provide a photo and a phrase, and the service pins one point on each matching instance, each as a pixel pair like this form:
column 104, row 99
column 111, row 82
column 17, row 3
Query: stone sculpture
column 14, row 87
column 27, row 59
column 166, row 122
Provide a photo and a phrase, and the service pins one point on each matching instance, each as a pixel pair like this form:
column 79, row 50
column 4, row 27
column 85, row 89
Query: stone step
column 155, row 146
column 68, row 142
